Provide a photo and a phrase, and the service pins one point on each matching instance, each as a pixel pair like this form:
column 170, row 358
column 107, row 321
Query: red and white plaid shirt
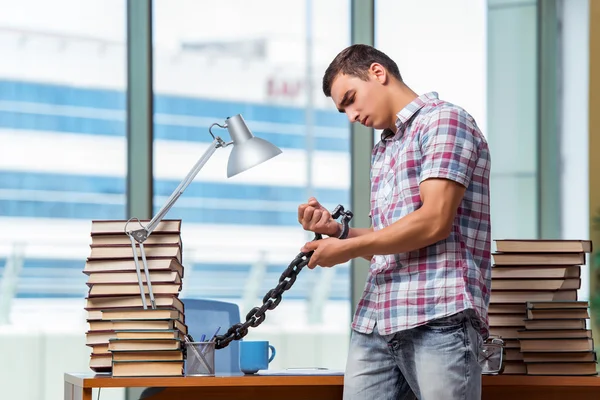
column 434, row 139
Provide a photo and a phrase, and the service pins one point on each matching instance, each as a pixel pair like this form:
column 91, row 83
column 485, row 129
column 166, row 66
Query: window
column 215, row 60
column 62, row 164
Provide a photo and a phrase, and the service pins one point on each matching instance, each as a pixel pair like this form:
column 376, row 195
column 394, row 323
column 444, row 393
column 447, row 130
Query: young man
column 418, row 328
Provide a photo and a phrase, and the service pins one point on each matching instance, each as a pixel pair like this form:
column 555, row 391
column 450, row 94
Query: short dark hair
column 356, row 61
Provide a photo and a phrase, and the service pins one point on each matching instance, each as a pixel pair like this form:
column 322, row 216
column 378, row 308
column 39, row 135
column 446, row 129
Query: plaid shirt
column 434, row 139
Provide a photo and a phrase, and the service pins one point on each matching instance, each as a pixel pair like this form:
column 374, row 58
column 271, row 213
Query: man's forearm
column 412, row 232
column 354, row 233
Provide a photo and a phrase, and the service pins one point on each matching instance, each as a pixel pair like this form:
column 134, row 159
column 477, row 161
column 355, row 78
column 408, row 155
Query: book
column 123, row 239
column 99, row 337
column 126, row 252
column 156, row 277
column 555, row 305
column 100, row 348
column 555, row 324
column 535, row 272
column 147, row 368
column 144, row 344
column 119, row 226
column 110, row 290
column 536, row 284
column 139, row 324
column 136, row 313
column 562, row 368
column 101, row 362
column 156, row 264
column 543, row 246
column 566, row 356
column 557, row 345
column 554, row 333
column 539, row 258
column 94, row 315
column 148, row 334
column 558, row 314
column 513, row 296
column 135, row 301
column 143, row 355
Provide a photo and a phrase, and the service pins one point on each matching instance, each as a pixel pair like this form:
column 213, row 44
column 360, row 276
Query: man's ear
column 379, row 73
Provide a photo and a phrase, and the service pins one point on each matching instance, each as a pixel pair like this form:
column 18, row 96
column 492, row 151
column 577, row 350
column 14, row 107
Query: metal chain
column 257, row 315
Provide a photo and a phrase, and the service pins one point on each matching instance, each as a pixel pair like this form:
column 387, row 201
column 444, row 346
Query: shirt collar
column 406, row 114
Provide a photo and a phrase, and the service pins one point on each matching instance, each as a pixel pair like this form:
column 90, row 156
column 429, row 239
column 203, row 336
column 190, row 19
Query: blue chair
column 203, row 317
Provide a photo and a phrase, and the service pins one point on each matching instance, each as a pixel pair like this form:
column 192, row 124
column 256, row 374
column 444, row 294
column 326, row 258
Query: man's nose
column 353, row 116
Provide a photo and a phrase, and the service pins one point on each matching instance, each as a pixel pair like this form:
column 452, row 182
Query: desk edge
column 91, row 381
column 540, row 380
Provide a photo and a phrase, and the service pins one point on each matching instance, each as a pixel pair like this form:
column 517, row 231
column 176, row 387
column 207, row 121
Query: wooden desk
column 517, row 387
column 79, row 387
column 512, row 387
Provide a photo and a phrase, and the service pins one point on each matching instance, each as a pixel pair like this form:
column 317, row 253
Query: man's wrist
column 338, row 230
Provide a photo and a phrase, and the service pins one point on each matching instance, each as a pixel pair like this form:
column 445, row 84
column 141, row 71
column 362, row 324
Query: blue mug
column 254, row 356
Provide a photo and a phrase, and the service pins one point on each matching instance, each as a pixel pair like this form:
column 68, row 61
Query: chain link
column 257, row 315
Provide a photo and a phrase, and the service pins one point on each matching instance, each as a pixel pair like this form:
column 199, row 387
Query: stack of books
column 529, row 271
column 126, row 338
column 556, row 340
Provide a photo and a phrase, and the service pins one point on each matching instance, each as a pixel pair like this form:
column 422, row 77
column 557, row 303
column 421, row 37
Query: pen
column 215, row 335
column 212, row 339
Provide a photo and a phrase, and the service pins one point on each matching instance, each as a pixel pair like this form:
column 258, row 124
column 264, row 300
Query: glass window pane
column 438, row 46
column 468, row 52
column 62, row 164
column 216, row 60
column 512, row 91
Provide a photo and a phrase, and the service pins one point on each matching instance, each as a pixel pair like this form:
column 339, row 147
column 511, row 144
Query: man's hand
column 327, row 252
column 316, row 218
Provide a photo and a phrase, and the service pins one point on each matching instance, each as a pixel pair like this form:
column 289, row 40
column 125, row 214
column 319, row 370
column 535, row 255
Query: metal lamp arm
column 137, row 237
column 140, row 235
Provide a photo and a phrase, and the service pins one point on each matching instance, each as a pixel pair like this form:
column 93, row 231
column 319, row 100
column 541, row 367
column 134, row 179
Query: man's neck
column 401, row 97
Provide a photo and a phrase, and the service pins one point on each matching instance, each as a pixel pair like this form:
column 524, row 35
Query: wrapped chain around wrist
column 257, row 315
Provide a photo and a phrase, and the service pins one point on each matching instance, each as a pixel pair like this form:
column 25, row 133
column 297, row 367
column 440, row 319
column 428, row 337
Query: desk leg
column 73, row 392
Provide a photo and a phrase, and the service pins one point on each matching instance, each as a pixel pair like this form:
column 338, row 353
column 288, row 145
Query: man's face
column 362, row 101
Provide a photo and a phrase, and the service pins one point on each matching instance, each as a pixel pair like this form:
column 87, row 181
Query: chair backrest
column 204, row 317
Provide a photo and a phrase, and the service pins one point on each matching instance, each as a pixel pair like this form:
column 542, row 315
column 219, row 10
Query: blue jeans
column 437, row 361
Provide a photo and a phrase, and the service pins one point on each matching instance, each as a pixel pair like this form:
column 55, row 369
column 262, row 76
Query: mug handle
column 272, row 353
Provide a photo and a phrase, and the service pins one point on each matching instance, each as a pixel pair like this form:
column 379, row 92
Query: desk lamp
column 247, row 152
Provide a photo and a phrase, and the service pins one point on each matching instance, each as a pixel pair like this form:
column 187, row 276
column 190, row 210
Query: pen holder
column 200, row 358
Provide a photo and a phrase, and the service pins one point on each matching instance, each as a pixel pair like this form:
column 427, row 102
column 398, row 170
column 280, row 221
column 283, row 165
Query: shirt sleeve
column 449, row 147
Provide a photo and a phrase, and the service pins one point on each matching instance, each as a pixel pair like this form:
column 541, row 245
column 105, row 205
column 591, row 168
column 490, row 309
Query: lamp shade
column 248, row 150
